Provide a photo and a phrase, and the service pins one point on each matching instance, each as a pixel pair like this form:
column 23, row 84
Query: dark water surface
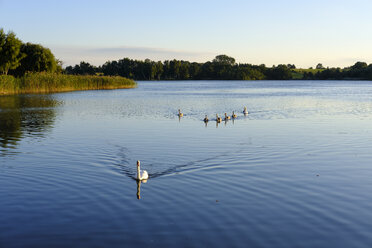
column 295, row 172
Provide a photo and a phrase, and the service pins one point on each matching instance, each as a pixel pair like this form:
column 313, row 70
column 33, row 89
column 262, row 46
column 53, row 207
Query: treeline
column 18, row 58
column 221, row 68
column 359, row 71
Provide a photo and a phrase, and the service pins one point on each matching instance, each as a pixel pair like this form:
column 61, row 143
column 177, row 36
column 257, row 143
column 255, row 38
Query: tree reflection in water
column 24, row 115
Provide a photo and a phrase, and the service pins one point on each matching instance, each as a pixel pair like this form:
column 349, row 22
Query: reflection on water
column 24, row 115
column 251, row 182
column 225, row 122
column 139, row 188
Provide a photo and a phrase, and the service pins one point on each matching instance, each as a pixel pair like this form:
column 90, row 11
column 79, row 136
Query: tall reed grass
column 51, row 82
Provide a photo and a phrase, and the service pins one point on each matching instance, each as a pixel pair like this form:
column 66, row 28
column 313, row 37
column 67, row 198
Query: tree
column 281, row 72
column 87, row 69
column 185, row 70
column 10, row 51
column 159, row 70
column 246, row 72
column 319, row 66
column 359, row 66
column 36, row 59
column 59, row 66
column 111, row 68
column 174, row 69
column 207, row 71
column 194, row 70
column 224, row 59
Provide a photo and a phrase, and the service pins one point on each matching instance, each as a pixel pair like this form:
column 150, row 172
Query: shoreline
column 43, row 83
column 60, row 91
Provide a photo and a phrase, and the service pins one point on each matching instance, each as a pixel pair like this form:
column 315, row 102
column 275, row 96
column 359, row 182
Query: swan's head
column 138, row 163
column 179, row 110
column 225, row 114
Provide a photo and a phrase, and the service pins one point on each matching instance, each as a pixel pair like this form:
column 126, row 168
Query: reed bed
column 52, row 82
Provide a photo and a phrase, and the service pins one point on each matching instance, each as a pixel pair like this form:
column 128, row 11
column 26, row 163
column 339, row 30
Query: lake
column 295, row 172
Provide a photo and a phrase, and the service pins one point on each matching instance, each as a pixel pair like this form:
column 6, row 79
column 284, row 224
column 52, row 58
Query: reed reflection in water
column 25, row 115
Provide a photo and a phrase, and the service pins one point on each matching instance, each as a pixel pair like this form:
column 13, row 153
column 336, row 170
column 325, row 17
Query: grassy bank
column 51, row 82
column 299, row 73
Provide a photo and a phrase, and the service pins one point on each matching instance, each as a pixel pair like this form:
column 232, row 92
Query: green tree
column 319, row 66
column 174, row 69
column 207, row 71
column 194, row 70
column 280, row 72
column 37, row 58
column 59, row 66
column 224, row 59
column 184, row 70
column 10, row 51
column 359, row 65
column 158, row 70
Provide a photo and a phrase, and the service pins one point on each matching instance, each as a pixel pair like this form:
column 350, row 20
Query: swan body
column 141, row 174
column 227, row 117
column 206, row 119
column 245, row 111
column 218, row 119
column 233, row 115
column 179, row 113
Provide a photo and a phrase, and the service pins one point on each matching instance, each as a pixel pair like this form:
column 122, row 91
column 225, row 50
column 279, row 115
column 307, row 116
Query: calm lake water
column 295, row 172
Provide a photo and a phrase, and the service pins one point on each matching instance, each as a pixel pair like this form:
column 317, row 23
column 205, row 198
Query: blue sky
column 335, row 33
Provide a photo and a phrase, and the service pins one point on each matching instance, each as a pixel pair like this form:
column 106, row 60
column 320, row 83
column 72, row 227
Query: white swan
column 179, row 113
column 233, row 115
column 206, row 119
column 245, row 111
column 227, row 117
column 141, row 174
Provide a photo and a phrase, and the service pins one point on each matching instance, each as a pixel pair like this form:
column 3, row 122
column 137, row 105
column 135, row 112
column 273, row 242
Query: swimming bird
column 179, row 113
column 206, row 119
column 233, row 115
column 218, row 119
column 227, row 117
column 245, row 111
column 141, row 174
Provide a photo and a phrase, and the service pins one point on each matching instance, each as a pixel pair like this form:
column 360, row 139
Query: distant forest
column 222, row 67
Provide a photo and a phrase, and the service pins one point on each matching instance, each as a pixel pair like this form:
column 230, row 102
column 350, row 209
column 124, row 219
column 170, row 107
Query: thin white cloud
column 72, row 55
